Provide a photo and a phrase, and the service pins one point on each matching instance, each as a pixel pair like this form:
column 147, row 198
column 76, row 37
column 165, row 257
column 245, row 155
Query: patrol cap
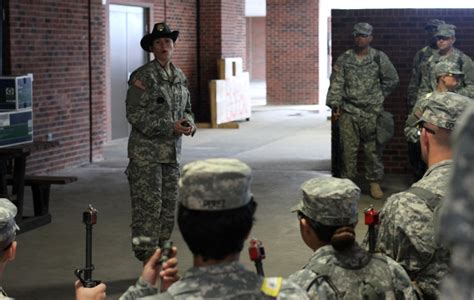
column 8, row 225
column 446, row 30
column 215, row 184
column 362, row 28
column 330, row 201
column 433, row 23
column 444, row 109
column 446, row 68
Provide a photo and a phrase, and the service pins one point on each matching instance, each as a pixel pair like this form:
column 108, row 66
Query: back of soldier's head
column 216, row 208
column 443, row 111
column 8, row 227
column 329, row 204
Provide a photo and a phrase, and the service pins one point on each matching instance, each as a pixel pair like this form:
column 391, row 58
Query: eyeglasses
column 442, row 38
column 361, row 35
column 453, row 75
column 421, row 125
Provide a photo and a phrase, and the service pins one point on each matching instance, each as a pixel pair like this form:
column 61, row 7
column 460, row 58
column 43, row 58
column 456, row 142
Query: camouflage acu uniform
column 215, row 185
column 461, row 60
column 154, row 152
column 8, row 229
column 407, row 230
column 456, row 224
column 352, row 273
column 359, row 87
column 419, row 62
column 420, row 66
column 222, row 281
column 351, row 270
column 464, row 62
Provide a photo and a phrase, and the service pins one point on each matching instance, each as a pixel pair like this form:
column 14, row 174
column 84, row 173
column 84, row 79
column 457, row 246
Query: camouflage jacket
column 410, row 130
column 361, row 84
column 456, row 224
column 407, row 230
column 465, row 64
column 419, row 62
column 153, row 112
column 356, row 268
column 222, row 281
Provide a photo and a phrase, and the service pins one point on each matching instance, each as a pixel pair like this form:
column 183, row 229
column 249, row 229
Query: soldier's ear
column 10, row 253
column 370, row 38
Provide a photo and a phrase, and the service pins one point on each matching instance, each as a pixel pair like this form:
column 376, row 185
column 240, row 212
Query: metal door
column 127, row 25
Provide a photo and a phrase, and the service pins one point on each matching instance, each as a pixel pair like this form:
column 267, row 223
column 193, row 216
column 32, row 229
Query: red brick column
column 292, row 52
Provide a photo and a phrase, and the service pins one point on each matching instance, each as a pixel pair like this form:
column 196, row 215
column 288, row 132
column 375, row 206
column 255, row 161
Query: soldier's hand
column 183, row 127
column 168, row 272
column 95, row 293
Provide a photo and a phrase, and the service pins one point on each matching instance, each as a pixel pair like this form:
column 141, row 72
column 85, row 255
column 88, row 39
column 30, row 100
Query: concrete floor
column 284, row 145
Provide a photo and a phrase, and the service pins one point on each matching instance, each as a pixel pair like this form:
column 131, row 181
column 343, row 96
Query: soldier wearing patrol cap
column 420, row 60
column 8, row 229
column 327, row 217
column 445, row 38
column 361, row 79
column 406, row 231
column 456, row 223
column 158, row 108
column 420, row 66
column 448, row 76
column 215, row 215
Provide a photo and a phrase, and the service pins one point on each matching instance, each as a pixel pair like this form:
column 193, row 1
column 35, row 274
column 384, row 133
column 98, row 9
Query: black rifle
column 89, row 217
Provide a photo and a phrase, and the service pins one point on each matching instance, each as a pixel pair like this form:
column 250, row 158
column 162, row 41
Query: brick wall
column 55, row 41
column 221, row 34
column 399, row 33
column 256, row 36
column 51, row 40
column 292, row 51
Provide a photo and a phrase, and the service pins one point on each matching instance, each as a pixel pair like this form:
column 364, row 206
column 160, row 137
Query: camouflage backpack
column 363, row 283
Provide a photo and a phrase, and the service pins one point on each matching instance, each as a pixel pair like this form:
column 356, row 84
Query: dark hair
column 216, row 234
column 340, row 237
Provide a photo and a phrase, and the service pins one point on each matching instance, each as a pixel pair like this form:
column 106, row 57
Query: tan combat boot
column 375, row 190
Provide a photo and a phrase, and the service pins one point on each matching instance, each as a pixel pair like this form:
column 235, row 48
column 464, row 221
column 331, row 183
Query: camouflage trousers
column 355, row 129
column 154, row 192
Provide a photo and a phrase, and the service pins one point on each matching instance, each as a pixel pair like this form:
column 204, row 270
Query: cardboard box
column 16, row 127
column 16, row 92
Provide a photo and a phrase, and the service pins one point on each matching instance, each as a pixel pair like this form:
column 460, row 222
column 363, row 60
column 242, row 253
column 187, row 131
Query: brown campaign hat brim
column 148, row 39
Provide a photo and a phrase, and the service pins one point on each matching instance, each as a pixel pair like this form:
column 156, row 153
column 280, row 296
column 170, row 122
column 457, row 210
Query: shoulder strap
column 165, row 296
column 377, row 57
column 431, row 199
column 323, row 271
column 271, row 286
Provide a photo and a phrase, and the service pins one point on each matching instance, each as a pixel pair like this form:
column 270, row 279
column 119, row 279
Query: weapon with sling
column 89, row 218
column 257, row 254
column 336, row 159
column 371, row 217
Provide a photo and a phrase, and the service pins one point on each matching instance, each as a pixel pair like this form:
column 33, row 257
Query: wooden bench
column 40, row 188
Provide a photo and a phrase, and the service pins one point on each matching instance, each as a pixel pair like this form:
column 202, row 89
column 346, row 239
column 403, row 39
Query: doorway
column 127, row 25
